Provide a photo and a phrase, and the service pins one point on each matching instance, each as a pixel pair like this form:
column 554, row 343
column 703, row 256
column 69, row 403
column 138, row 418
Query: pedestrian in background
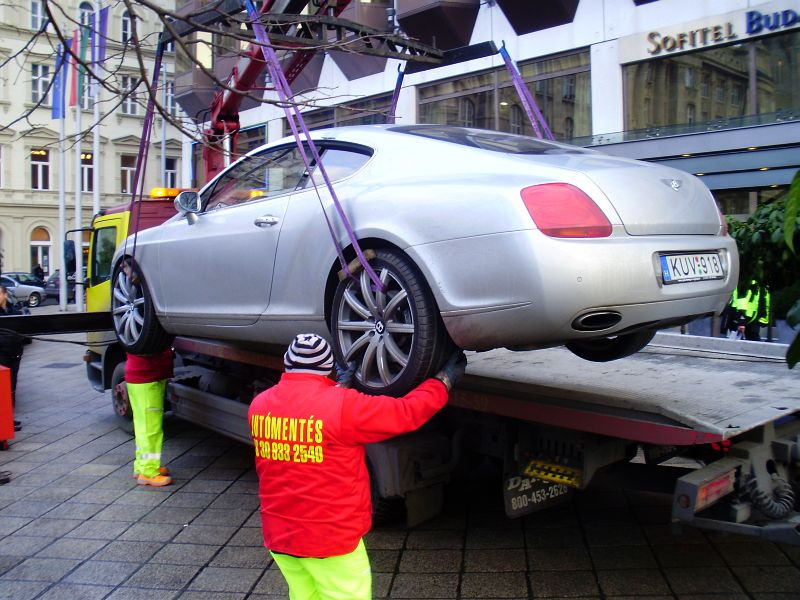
column 309, row 436
column 11, row 346
column 146, row 379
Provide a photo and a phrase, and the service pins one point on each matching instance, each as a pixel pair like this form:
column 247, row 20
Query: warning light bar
column 164, row 192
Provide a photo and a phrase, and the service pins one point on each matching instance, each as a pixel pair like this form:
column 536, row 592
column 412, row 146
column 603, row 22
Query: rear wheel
column 34, row 299
column 611, row 348
column 119, row 399
column 396, row 337
column 135, row 321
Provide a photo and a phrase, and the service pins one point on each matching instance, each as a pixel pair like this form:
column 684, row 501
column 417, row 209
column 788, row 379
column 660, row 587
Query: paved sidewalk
column 74, row 525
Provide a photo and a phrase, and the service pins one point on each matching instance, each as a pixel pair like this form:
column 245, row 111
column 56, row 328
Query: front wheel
column 34, row 299
column 396, row 336
column 611, row 348
column 135, row 322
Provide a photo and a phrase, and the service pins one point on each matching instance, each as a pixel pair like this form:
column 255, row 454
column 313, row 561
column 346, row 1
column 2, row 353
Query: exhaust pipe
column 597, row 321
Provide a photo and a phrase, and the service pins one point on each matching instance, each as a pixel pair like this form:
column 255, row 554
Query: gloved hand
column 345, row 374
column 453, row 369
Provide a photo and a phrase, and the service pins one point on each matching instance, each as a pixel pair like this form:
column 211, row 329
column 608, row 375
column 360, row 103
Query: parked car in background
column 26, row 278
column 480, row 239
column 32, row 295
column 52, row 286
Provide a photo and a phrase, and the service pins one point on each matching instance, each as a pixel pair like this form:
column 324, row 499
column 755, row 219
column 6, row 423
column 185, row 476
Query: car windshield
column 495, row 141
column 27, row 279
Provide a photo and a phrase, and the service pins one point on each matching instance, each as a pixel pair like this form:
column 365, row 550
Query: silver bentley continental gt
column 481, row 240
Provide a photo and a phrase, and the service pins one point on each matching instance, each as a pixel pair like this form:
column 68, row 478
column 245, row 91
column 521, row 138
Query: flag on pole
column 59, row 89
column 103, row 33
column 73, row 95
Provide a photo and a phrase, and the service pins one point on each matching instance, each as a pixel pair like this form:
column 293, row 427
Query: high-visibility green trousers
column 345, row 577
column 147, row 403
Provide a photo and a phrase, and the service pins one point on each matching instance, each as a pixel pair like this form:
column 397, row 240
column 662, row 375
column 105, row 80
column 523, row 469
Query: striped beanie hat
column 309, row 353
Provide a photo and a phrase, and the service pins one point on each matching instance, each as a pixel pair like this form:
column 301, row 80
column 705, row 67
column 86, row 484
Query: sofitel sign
column 762, row 20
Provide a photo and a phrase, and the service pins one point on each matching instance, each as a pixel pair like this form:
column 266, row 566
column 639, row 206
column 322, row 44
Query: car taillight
column 561, row 210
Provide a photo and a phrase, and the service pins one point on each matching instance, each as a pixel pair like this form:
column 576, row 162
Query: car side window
column 339, row 163
column 267, row 174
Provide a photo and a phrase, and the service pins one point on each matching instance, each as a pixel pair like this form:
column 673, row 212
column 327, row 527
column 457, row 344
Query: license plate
column 524, row 495
column 682, row 268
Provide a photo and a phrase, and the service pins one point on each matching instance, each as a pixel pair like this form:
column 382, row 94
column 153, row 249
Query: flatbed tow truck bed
column 669, row 393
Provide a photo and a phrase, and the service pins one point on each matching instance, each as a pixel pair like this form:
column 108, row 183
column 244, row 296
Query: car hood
column 650, row 199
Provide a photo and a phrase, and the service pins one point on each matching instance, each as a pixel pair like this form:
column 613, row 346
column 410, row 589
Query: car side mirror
column 188, row 203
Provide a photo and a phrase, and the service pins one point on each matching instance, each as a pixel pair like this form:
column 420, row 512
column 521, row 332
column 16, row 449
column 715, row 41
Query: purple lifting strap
column 137, row 189
column 528, row 101
column 393, row 108
column 283, row 91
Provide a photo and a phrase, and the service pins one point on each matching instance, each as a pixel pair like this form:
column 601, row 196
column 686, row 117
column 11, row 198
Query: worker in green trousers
column 146, row 378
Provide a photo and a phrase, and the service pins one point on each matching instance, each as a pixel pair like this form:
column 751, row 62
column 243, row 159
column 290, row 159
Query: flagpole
column 164, row 129
column 78, row 209
column 96, row 129
column 62, row 211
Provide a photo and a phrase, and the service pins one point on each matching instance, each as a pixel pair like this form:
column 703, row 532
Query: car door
column 218, row 271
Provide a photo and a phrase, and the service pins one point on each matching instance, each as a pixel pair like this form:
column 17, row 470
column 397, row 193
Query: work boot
column 17, row 425
column 161, row 471
column 155, row 481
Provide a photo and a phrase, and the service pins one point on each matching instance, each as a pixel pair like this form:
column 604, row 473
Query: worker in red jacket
column 146, row 381
column 309, row 436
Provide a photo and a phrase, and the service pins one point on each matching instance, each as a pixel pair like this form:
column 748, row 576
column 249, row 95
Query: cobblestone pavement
column 74, row 525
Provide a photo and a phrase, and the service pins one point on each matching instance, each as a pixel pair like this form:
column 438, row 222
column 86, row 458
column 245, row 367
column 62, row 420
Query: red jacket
column 150, row 368
column 309, row 438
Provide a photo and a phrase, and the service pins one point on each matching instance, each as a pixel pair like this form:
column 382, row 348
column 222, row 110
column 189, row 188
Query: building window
column 171, row 173
column 466, row 112
column 87, row 94
column 37, row 14
column 515, row 119
column 87, row 172
column 40, row 169
column 40, row 78
column 568, row 85
column 125, row 27
column 129, row 104
column 736, row 95
column 690, row 114
column 85, row 12
column 169, row 98
column 40, row 249
column 720, row 97
column 127, row 171
column 706, row 85
column 688, row 77
column 569, row 128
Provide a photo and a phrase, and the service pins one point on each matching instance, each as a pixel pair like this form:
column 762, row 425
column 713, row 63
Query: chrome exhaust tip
column 597, row 321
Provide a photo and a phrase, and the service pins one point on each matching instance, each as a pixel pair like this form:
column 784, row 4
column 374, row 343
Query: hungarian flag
column 80, row 44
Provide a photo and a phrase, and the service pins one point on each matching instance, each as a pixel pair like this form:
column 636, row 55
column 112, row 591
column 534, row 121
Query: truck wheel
column 135, row 321
column 611, row 348
column 119, row 399
column 34, row 299
column 396, row 337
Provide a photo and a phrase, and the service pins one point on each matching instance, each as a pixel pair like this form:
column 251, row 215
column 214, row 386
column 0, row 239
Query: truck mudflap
column 751, row 491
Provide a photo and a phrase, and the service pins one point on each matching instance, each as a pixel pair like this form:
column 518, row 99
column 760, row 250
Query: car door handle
column 266, row 221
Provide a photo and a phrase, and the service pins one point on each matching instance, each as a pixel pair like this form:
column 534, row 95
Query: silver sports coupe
column 481, row 239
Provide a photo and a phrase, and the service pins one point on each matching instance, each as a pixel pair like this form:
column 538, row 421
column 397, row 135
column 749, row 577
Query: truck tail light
column 713, row 490
column 563, row 211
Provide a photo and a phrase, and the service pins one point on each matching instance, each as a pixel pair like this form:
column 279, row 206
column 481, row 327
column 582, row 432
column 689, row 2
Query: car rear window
column 494, row 141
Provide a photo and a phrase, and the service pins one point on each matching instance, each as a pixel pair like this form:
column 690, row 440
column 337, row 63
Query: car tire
column 398, row 338
column 611, row 348
column 119, row 399
column 135, row 323
column 34, row 299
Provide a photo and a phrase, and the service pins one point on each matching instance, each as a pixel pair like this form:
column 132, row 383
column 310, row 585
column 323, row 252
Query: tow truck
column 716, row 427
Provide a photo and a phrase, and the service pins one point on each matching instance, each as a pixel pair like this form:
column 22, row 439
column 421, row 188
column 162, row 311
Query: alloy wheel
column 127, row 308
column 376, row 328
